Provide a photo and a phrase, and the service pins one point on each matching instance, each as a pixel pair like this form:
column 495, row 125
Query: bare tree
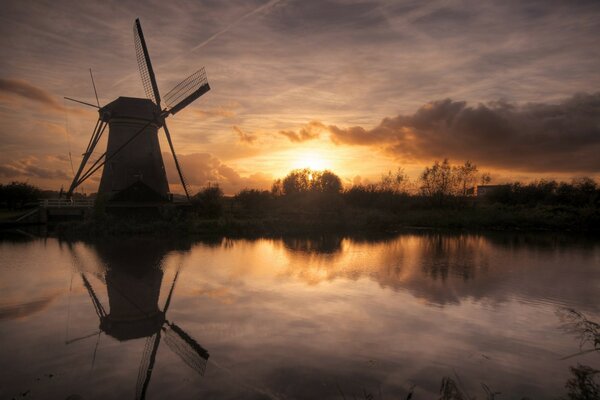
column 438, row 180
column 465, row 176
column 397, row 182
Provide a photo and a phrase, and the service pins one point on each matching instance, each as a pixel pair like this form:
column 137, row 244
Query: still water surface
column 293, row 318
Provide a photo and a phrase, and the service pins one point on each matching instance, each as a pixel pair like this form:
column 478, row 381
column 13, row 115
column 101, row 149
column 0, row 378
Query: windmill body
column 133, row 168
column 137, row 172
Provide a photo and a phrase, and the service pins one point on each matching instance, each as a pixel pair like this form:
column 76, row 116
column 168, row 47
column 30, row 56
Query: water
column 293, row 318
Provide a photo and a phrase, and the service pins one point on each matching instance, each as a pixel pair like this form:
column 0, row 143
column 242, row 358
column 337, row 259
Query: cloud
column 219, row 111
column 244, row 136
column 26, row 309
column 32, row 167
column 24, row 89
column 308, row 132
column 563, row 137
column 201, row 169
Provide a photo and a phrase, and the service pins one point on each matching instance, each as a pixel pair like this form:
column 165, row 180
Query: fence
column 64, row 203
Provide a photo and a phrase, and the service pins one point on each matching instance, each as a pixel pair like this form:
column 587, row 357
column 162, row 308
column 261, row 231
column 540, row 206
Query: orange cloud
column 201, row 169
column 308, row 132
column 32, row 167
column 244, row 136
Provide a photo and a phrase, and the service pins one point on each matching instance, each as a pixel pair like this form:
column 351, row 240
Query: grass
column 344, row 220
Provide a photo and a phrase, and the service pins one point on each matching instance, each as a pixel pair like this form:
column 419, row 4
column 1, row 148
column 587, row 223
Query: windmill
column 134, row 313
column 133, row 164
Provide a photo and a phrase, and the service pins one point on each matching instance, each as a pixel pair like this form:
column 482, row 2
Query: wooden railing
column 63, row 203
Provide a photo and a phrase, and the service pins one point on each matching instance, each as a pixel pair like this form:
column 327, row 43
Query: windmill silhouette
column 134, row 312
column 133, row 168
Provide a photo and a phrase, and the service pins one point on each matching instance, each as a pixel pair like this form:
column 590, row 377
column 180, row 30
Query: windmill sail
column 187, row 91
column 147, row 365
column 144, row 64
column 182, row 344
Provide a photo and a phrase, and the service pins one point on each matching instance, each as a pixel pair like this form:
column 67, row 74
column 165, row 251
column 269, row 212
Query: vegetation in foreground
column 305, row 201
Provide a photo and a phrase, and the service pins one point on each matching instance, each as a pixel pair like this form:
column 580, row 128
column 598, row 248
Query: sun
column 312, row 160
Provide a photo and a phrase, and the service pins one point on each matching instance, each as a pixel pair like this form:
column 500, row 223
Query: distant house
column 484, row 190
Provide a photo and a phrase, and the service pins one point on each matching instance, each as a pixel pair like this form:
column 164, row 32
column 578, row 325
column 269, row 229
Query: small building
column 484, row 190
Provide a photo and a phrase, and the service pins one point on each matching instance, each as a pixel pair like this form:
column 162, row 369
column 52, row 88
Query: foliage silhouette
column 17, row 195
column 208, row 202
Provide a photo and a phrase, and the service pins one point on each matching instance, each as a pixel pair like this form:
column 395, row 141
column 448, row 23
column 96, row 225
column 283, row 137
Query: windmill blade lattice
column 194, row 355
column 145, row 369
column 187, row 91
column 143, row 60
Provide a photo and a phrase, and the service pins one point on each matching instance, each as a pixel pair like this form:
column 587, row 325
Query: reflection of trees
column 456, row 254
column 544, row 242
column 326, row 244
column 582, row 385
column 446, row 267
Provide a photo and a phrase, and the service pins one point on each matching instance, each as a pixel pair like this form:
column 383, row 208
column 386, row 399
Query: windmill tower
column 133, row 165
column 133, row 286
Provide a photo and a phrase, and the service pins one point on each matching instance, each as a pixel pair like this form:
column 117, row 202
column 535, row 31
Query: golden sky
column 358, row 87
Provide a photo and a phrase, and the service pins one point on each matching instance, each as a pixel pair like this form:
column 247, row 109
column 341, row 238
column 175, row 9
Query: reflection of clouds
column 286, row 338
column 221, row 294
column 26, row 309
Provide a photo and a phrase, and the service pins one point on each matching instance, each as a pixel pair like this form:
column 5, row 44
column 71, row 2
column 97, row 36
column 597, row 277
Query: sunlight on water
column 326, row 317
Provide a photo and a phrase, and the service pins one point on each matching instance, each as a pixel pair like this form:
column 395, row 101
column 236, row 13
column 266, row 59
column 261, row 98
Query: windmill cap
column 130, row 107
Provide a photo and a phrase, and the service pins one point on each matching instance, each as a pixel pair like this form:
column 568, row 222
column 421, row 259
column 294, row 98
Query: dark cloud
column 244, row 136
column 308, row 132
column 31, row 168
column 563, row 137
column 299, row 16
column 27, row 91
column 26, row 309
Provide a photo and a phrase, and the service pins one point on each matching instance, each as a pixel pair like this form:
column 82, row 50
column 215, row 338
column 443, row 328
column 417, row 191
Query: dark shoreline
column 368, row 222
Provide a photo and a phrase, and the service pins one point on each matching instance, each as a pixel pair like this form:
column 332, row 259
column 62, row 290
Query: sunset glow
column 314, row 160
column 357, row 88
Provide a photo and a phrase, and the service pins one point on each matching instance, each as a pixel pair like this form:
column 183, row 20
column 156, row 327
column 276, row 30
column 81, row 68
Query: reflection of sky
column 296, row 317
column 275, row 66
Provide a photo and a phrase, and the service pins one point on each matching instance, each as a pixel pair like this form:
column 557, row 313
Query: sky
column 357, row 87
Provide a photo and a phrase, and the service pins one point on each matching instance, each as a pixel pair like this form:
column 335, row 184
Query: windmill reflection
column 133, row 280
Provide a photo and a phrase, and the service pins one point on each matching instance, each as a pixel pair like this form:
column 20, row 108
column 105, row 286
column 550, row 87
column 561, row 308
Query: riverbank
column 342, row 221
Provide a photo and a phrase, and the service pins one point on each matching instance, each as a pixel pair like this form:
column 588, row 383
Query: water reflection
column 304, row 317
column 133, row 279
column 447, row 268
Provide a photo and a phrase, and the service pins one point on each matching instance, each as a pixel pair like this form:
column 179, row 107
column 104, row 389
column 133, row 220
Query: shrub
column 208, row 202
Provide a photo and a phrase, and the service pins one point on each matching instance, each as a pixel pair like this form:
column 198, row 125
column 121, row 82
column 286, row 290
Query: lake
column 294, row 318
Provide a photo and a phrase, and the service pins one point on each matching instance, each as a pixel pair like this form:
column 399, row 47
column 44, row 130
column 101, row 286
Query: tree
column 465, row 177
column 486, row 178
column 209, row 201
column 277, row 188
column 297, row 181
column 18, row 194
column 438, row 180
column 396, row 182
column 306, row 180
column 253, row 201
column 326, row 182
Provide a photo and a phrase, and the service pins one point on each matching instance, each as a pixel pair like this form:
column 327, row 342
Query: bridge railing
column 64, row 203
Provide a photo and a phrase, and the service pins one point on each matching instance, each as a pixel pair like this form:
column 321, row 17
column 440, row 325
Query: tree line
column 440, row 185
